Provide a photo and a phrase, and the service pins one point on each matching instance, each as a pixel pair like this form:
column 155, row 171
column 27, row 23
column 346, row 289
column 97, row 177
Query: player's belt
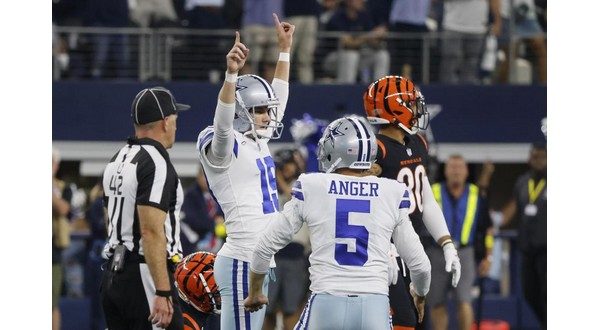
column 138, row 258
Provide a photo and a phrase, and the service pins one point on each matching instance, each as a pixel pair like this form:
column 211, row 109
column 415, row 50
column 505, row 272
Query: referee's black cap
column 152, row 104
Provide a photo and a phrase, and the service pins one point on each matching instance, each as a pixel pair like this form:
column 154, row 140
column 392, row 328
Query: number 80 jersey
column 246, row 190
column 406, row 163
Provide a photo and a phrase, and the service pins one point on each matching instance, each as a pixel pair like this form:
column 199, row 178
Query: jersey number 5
column 266, row 166
column 414, row 182
column 345, row 230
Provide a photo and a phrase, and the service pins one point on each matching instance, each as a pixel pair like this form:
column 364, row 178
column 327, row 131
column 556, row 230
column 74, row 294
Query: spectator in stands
column 200, row 216
column 230, row 12
column 326, row 10
column 93, row 269
column 325, row 45
column 526, row 28
column 206, row 50
column 380, row 11
column 109, row 13
column 288, row 292
column 64, row 207
column 465, row 26
column 68, row 12
column 408, row 16
column 153, row 13
column 205, row 14
column 541, row 11
column 528, row 207
column 467, row 215
column 75, row 255
column 60, row 56
column 60, row 235
column 73, row 251
column 363, row 49
column 303, row 15
column 234, row 11
column 68, row 48
column 260, row 36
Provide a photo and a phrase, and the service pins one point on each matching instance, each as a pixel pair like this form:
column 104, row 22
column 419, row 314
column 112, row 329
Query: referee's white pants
column 233, row 279
column 350, row 312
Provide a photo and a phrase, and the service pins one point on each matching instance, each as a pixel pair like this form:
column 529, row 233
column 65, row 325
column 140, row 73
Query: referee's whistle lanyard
column 535, row 190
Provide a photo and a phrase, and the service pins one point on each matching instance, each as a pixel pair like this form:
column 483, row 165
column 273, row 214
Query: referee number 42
column 116, row 182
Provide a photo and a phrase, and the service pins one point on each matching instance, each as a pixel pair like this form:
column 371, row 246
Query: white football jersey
column 351, row 221
column 246, row 190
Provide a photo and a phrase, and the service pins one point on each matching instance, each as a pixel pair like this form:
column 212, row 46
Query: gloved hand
column 393, row 267
column 452, row 262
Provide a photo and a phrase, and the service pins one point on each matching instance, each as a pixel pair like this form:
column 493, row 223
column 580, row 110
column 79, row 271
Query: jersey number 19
column 266, row 166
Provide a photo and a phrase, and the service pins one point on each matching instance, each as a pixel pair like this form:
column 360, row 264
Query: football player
column 240, row 170
column 351, row 217
column 396, row 105
column 195, row 282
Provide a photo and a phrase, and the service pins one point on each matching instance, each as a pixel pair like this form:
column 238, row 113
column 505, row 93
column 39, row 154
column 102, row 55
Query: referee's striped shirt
column 141, row 173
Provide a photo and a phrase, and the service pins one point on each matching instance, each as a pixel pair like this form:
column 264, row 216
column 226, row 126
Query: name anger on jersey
column 353, row 188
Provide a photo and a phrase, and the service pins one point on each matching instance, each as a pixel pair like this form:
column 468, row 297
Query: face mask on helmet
column 347, row 142
column 255, row 95
column 196, row 283
column 396, row 100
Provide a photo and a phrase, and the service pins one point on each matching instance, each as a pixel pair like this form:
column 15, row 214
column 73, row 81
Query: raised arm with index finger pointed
column 285, row 33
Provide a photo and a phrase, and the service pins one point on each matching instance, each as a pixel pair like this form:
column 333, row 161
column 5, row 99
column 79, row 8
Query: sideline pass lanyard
column 535, row 190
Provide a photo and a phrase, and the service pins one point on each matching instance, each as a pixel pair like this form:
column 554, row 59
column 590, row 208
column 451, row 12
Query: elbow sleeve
column 433, row 218
column 222, row 143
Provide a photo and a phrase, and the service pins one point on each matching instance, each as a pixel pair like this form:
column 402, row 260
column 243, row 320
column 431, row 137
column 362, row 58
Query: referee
column 143, row 196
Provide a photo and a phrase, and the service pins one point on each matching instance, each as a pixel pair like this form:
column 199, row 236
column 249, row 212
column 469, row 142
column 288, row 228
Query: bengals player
column 198, row 290
column 397, row 106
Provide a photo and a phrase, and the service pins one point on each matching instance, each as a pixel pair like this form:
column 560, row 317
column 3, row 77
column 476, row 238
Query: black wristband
column 163, row 293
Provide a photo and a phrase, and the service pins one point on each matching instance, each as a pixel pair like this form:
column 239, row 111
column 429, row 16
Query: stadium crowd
column 339, row 41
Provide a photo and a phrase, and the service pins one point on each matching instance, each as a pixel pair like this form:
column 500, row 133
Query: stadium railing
column 168, row 54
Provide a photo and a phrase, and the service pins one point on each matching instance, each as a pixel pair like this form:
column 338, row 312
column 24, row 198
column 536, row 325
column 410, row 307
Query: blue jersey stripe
column 360, row 141
column 309, row 310
column 298, row 194
column 206, row 138
column 245, row 290
column 368, row 158
column 266, row 85
column 298, row 185
column 235, row 294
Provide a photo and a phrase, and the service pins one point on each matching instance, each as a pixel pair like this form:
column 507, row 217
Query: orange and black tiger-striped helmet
column 396, row 100
column 196, row 283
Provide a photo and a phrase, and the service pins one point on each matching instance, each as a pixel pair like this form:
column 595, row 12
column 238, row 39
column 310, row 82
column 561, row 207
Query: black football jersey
column 406, row 163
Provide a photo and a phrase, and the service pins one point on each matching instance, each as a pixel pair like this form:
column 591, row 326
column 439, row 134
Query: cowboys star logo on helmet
column 356, row 147
column 333, row 133
column 239, row 87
